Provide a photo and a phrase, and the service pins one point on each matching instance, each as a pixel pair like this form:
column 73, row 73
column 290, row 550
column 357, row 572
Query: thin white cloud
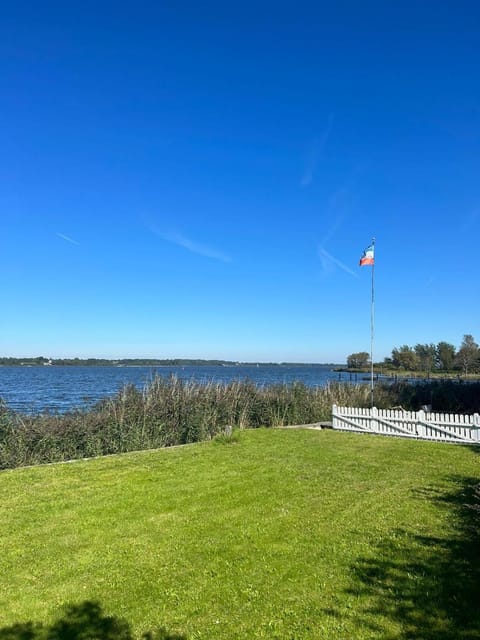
column 183, row 241
column 328, row 262
column 68, row 239
column 192, row 246
column 338, row 208
column 317, row 148
column 336, row 223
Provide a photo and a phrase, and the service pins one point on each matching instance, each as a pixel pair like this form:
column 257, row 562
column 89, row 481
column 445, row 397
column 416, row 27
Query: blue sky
column 200, row 179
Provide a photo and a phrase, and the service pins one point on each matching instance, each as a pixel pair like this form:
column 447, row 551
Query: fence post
column 373, row 421
column 476, row 427
column 421, row 430
column 334, row 416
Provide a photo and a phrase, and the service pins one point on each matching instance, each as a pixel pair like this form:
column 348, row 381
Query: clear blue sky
column 200, row 179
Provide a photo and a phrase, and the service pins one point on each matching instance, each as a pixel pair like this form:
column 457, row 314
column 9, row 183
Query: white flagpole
column 372, row 323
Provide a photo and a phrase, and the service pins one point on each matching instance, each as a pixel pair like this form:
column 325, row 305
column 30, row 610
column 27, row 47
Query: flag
column 367, row 256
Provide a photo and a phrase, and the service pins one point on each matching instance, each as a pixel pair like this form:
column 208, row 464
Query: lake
column 59, row 389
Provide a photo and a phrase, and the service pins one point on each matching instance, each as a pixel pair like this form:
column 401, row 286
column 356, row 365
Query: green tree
column 445, row 356
column 405, row 358
column 358, row 360
column 468, row 356
column 426, row 356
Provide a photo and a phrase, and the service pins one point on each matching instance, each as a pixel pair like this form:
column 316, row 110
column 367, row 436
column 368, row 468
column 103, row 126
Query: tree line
column 427, row 358
column 104, row 362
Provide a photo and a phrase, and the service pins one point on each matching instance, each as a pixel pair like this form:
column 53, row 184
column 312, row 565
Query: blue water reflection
column 59, row 389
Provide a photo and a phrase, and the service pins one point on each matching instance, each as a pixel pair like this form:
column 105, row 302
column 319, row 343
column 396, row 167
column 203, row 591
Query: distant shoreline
column 147, row 362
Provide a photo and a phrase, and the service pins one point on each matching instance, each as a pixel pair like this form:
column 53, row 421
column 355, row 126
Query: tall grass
column 170, row 411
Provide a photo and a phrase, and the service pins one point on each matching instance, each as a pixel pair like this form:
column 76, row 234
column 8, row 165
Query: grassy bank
column 283, row 534
column 170, row 411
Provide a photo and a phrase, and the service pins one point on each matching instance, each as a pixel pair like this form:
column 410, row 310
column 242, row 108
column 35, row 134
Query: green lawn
column 288, row 534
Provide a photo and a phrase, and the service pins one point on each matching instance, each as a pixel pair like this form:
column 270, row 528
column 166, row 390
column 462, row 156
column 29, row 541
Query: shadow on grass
column 84, row 621
column 426, row 586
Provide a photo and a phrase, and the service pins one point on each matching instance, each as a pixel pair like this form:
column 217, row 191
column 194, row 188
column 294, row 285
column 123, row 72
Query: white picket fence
column 446, row 427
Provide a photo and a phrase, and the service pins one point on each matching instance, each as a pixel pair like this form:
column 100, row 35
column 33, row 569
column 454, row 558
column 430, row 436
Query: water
column 59, row 389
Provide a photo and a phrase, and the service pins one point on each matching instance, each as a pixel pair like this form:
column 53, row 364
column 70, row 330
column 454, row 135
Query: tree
column 358, row 360
column 445, row 356
column 405, row 358
column 468, row 355
column 426, row 356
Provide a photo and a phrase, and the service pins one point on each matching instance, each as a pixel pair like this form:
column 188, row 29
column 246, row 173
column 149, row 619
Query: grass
column 287, row 534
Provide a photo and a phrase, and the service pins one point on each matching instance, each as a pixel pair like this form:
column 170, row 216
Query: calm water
column 58, row 389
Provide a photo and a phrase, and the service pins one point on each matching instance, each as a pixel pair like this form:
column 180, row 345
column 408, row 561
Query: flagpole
column 372, row 324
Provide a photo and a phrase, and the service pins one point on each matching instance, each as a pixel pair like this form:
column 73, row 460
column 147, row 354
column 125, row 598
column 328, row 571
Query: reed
column 171, row 411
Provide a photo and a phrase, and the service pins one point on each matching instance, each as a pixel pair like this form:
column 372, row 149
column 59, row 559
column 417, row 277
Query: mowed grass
column 289, row 534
